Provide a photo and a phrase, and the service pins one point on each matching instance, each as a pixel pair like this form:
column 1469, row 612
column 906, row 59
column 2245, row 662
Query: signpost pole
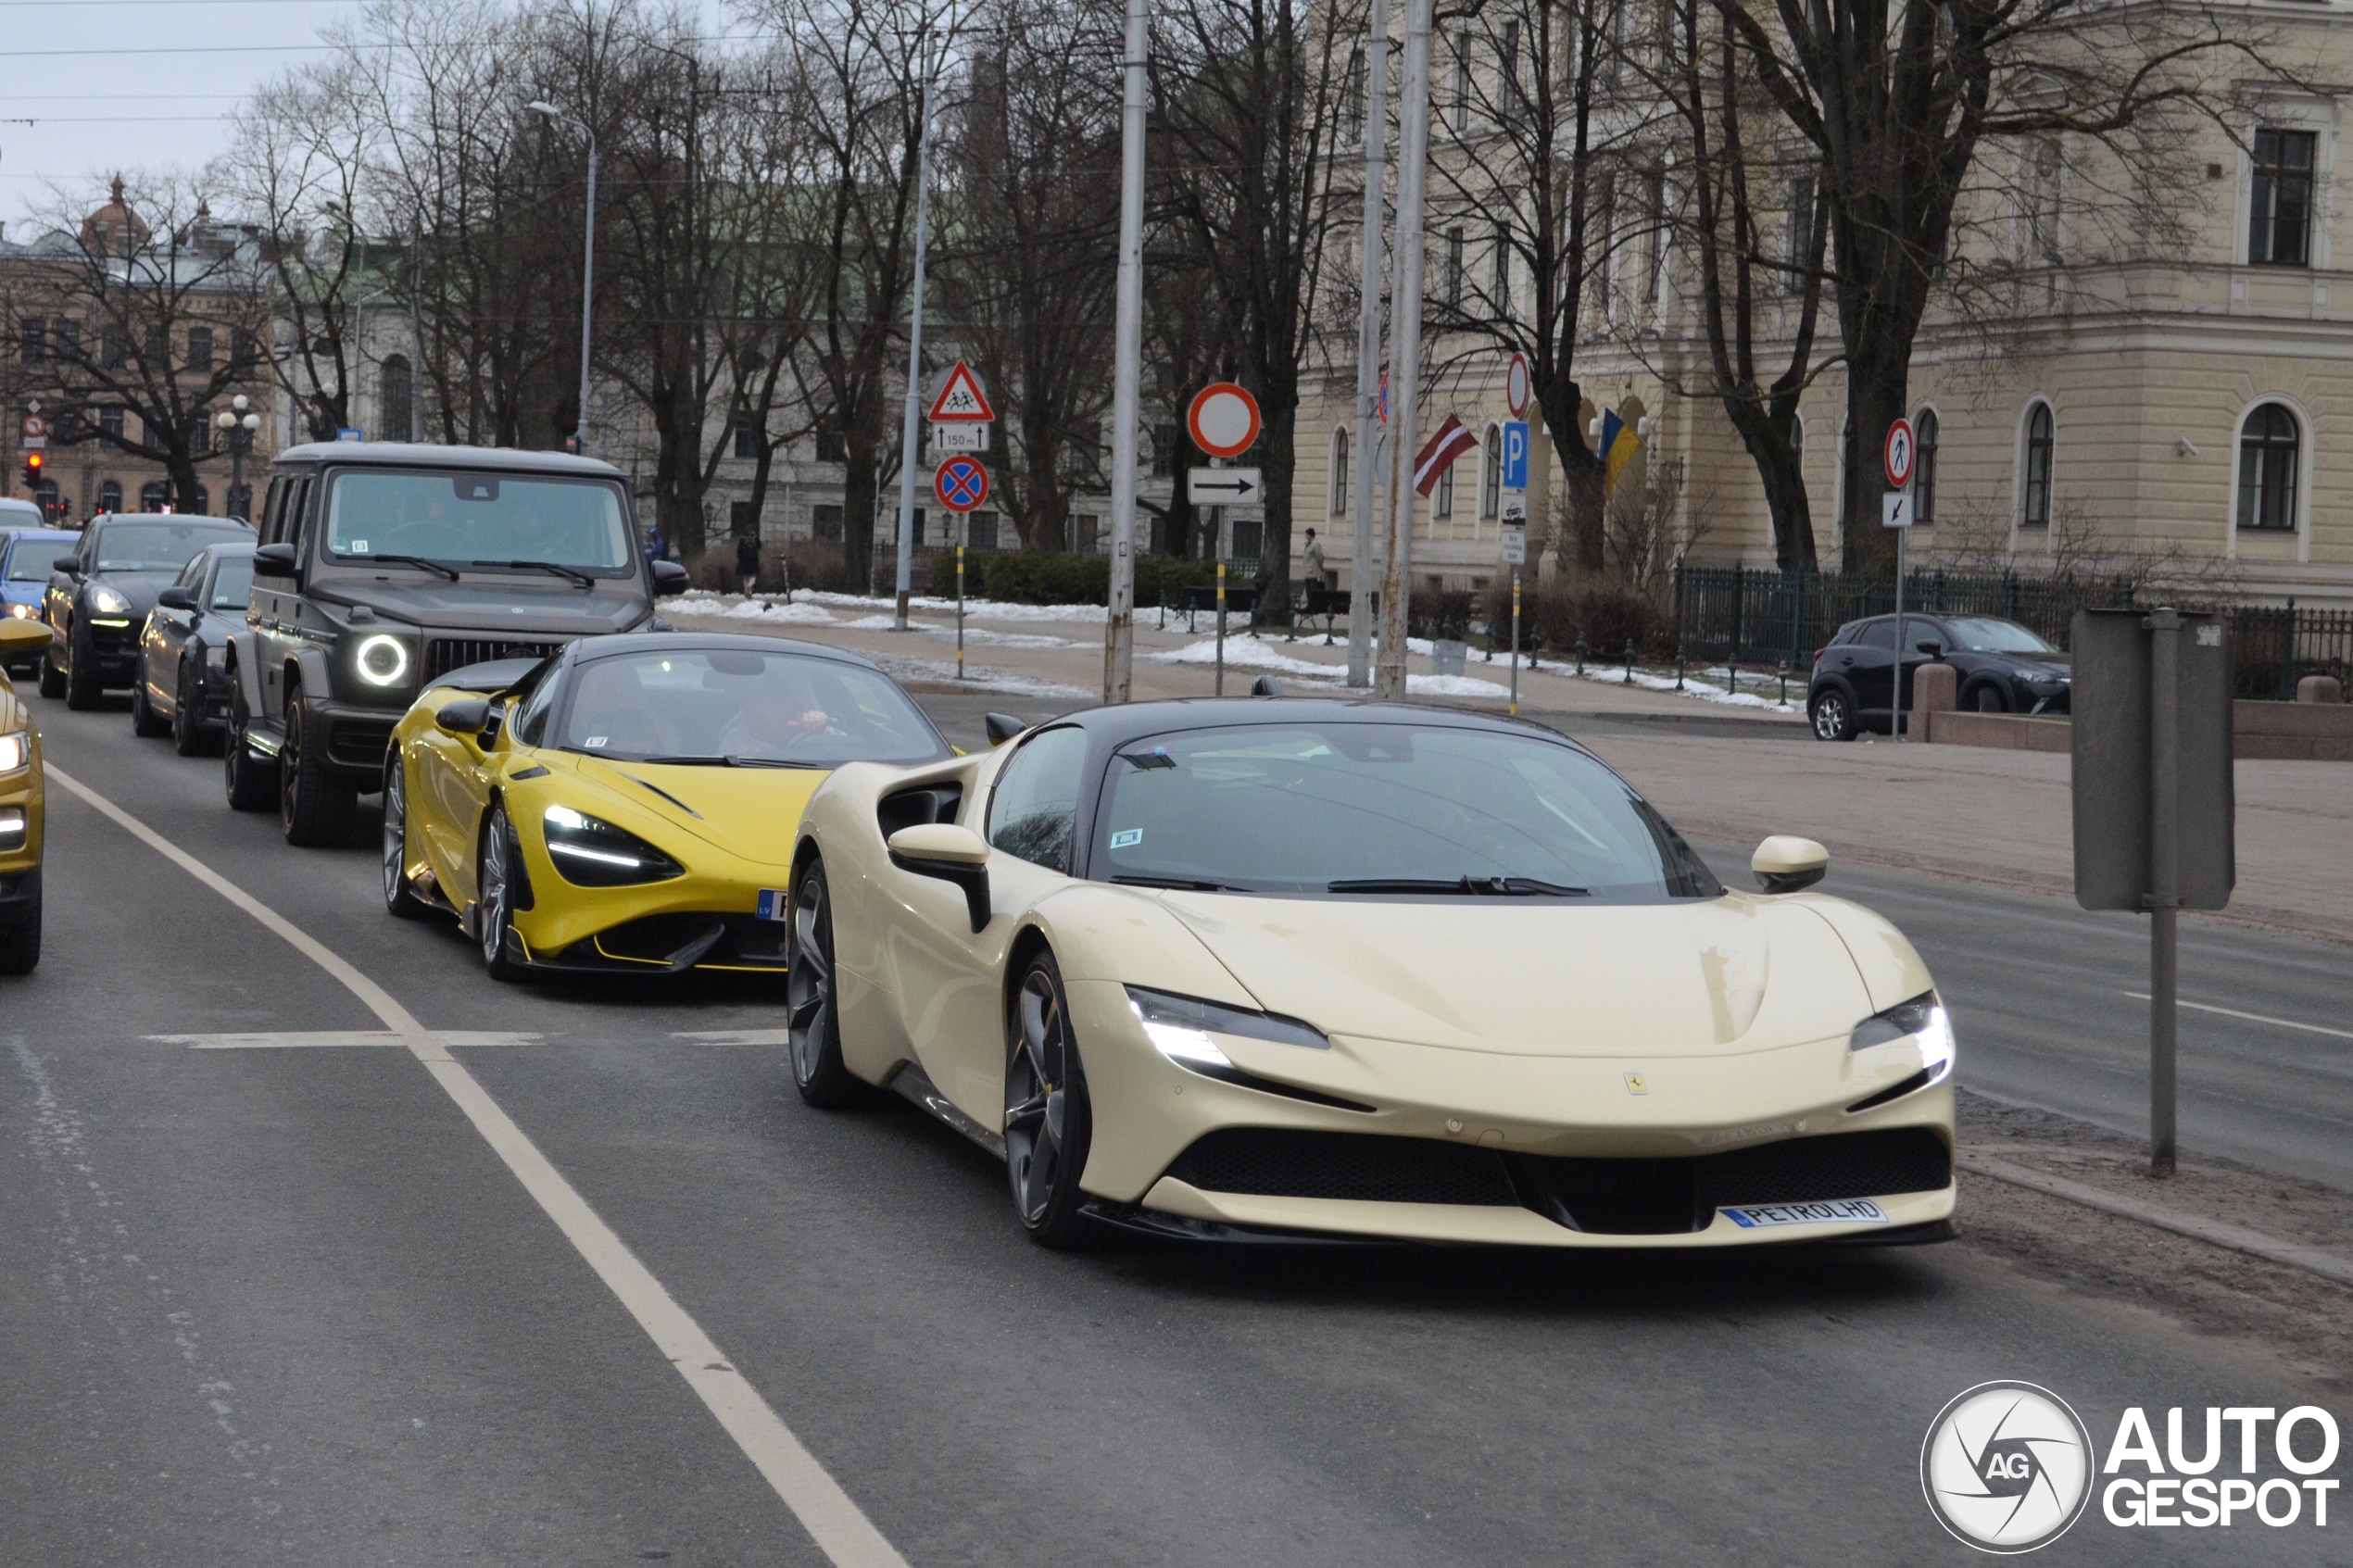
column 1127, row 359
column 1221, row 627
column 1515, row 642
column 2164, row 901
column 1367, row 510
column 911, row 426
column 1405, row 360
column 960, row 598
column 1897, row 696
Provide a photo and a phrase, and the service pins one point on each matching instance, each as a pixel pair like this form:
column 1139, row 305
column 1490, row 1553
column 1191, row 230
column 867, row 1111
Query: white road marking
column 833, row 1519
column 305, row 1039
column 739, row 1037
column 2257, row 1018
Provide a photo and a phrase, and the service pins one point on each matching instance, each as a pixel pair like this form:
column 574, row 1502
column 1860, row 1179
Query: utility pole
column 1369, row 323
column 911, row 428
column 1405, row 361
column 1127, row 368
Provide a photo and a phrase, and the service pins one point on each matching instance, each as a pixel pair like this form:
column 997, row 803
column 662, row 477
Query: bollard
column 1630, row 662
column 1580, row 653
column 1784, row 682
column 1678, row 666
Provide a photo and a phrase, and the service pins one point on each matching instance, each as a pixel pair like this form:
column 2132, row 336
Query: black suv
column 382, row 567
column 100, row 595
column 2004, row 668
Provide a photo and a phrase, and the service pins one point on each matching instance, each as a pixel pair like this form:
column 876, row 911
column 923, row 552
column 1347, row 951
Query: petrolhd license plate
column 1838, row 1211
column 773, row 905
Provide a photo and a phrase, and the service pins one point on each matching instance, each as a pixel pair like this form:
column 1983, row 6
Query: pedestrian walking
column 1312, row 564
column 747, row 563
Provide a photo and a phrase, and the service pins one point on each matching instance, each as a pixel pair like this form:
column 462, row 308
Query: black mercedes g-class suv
column 381, row 565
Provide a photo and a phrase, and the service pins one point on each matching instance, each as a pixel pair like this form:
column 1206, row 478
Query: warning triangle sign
column 961, row 399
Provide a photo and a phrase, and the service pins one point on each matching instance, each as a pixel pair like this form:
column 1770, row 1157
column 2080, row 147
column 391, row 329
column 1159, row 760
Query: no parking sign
column 961, row 485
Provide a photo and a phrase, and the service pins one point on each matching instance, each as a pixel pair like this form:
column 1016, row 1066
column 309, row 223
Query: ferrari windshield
column 492, row 522
column 742, row 706
column 157, row 546
column 1387, row 809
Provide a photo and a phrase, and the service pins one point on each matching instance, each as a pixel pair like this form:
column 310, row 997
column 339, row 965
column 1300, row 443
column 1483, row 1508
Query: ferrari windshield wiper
column 446, row 570
column 1473, row 886
column 1178, row 883
column 587, row 580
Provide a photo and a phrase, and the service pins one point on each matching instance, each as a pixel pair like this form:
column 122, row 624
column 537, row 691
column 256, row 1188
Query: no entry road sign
column 1223, row 419
column 961, row 485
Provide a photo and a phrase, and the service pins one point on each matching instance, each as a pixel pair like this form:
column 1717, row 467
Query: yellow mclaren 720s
column 629, row 804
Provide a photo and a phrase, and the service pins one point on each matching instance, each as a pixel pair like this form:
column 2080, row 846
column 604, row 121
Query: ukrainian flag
column 1618, row 445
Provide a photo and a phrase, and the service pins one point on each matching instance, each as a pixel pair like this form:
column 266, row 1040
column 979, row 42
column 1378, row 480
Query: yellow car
column 19, row 807
column 629, row 804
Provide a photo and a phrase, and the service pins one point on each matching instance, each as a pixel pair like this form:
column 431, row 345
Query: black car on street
column 182, row 685
column 100, row 595
column 2003, row 668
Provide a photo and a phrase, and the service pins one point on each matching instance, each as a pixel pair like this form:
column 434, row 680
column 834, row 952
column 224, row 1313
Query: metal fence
column 1767, row 617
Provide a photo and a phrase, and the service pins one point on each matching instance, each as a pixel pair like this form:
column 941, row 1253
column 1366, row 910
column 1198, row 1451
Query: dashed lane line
column 2256, row 1018
column 317, row 1039
column 834, row 1521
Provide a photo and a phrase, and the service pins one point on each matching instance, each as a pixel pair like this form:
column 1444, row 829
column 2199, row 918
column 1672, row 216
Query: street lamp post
column 237, row 422
column 587, row 262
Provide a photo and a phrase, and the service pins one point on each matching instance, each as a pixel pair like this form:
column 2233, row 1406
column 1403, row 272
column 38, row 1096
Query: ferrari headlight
column 1180, row 1027
column 1922, row 1018
column 16, row 750
column 11, row 827
column 382, row 660
column 105, row 601
column 591, row 853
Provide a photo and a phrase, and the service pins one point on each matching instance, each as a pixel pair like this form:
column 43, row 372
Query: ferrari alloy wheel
column 251, row 785
column 84, row 690
column 399, row 901
column 1048, row 1125
column 1833, row 717
column 188, row 733
column 815, row 1025
column 494, row 915
column 146, row 722
column 316, row 804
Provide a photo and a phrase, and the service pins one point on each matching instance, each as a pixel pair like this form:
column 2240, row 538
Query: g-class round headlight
column 384, row 662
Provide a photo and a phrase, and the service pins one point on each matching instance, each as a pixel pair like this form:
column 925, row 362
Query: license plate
column 1837, row 1212
column 774, row 904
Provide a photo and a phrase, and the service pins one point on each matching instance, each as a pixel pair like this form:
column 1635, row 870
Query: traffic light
column 33, row 472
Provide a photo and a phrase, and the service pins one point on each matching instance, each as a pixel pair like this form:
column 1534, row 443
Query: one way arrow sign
column 1223, row 488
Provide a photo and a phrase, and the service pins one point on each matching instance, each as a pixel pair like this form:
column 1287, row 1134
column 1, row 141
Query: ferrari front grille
column 445, row 654
column 1278, row 1162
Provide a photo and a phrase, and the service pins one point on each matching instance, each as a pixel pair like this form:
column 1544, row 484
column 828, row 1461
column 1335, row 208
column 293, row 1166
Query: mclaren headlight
column 1180, row 1028
column 16, row 750
column 382, row 660
column 1921, row 1019
column 591, row 853
column 105, row 601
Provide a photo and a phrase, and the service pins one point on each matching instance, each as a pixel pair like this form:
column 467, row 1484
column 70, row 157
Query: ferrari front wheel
column 1048, row 1123
column 813, row 1020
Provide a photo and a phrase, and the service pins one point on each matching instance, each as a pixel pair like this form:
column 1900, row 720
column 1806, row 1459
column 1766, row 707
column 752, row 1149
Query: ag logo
column 2006, row 1467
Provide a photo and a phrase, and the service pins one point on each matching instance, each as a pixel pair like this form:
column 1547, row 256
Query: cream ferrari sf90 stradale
column 1316, row 967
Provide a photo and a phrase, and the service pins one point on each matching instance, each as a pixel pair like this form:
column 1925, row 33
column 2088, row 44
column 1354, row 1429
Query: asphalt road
column 290, row 1306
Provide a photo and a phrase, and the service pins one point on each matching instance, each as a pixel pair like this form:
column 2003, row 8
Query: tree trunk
column 1875, row 391
column 1278, row 455
column 858, row 513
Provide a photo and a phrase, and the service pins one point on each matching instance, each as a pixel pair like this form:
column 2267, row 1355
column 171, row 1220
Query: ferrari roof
column 1135, row 719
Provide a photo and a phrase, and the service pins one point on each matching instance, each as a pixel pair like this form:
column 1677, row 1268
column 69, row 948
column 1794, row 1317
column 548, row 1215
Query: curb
column 2329, row 1265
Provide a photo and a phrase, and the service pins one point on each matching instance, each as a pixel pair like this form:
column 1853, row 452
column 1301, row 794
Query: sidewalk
column 2004, row 818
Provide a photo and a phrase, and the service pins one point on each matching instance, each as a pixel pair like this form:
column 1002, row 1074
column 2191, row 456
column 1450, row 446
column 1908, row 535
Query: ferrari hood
column 752, row 813
column 1725, row 976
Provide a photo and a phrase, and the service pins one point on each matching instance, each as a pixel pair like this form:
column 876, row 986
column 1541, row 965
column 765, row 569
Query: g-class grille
column 445, row 654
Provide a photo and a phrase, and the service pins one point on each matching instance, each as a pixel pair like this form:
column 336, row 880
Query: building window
column 980, row 530
column 1352, row 108
column 110, row 423
column 200, row 349
column 1167, row 450
column 1340, row 474
column 200, row 431
column 740, row 520
column 65, row 339
column 1441, row 501
column 2279, row 230
column 1085, row 533
column 2040, row 433
column 1455, row 268
column 110, row 495
column 1490, row 477
column 2043, row 201
column 154, row 496
column 825, row 524
column 1501, row 284
column 1507, row 94
column 1462, row 82
column 2270, row 447
column 395, row 409
column 32, row 338
column 746, row 437
column 1924, row 434
column 1249, row 538
column 833, row 446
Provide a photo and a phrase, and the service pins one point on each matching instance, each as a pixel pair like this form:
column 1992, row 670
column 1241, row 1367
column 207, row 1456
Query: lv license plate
column 1836, row 1211
column 773, row 904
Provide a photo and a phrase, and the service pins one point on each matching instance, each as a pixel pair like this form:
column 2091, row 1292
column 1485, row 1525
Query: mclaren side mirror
column 670, row 577
column 952, row 854
column 1002, row 727
column 20, row 638
column 1783, row 864
column 467, row 716
column 274, row 560
column 176, row 598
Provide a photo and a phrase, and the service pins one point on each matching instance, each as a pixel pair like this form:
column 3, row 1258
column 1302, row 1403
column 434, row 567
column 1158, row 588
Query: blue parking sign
column 1515, row 455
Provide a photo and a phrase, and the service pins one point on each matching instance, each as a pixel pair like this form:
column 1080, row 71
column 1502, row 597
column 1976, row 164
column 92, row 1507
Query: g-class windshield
column 484, row 522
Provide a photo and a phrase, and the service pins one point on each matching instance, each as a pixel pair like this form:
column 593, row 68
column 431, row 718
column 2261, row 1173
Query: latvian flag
column 1453, row 439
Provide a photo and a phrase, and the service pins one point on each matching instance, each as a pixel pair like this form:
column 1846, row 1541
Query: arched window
column 153, row 495
column 1490, row 477
column 2036, row 491
column 1924, row 434
column 392, row 402
column 1340, row 474
column 110, row 495
column 2270, row 448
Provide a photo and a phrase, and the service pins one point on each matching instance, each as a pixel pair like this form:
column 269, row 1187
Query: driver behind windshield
column 745, row 706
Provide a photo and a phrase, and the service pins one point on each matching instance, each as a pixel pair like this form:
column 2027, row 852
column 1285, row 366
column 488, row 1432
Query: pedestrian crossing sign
column 961, row 400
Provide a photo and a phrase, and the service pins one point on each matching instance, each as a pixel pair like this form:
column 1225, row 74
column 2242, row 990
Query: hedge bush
column 1055, row 577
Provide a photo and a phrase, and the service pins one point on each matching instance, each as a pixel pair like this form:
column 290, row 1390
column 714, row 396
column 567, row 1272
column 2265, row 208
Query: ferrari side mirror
column 467, row 716
column 952, row 854
column 1783, row 864
column 1002, row 727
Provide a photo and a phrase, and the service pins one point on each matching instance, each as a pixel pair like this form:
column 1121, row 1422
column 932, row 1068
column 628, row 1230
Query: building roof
column 412, row 455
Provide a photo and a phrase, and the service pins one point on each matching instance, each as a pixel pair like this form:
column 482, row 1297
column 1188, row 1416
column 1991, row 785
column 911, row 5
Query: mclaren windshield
column 467, row 522
column 1374, row 810
column 742, row 707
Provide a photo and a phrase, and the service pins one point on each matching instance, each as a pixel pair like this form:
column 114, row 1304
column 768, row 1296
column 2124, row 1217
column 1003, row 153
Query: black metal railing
column 1767, row 617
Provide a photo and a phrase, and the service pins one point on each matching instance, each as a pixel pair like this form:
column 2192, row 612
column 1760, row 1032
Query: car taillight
column 1818, row 654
